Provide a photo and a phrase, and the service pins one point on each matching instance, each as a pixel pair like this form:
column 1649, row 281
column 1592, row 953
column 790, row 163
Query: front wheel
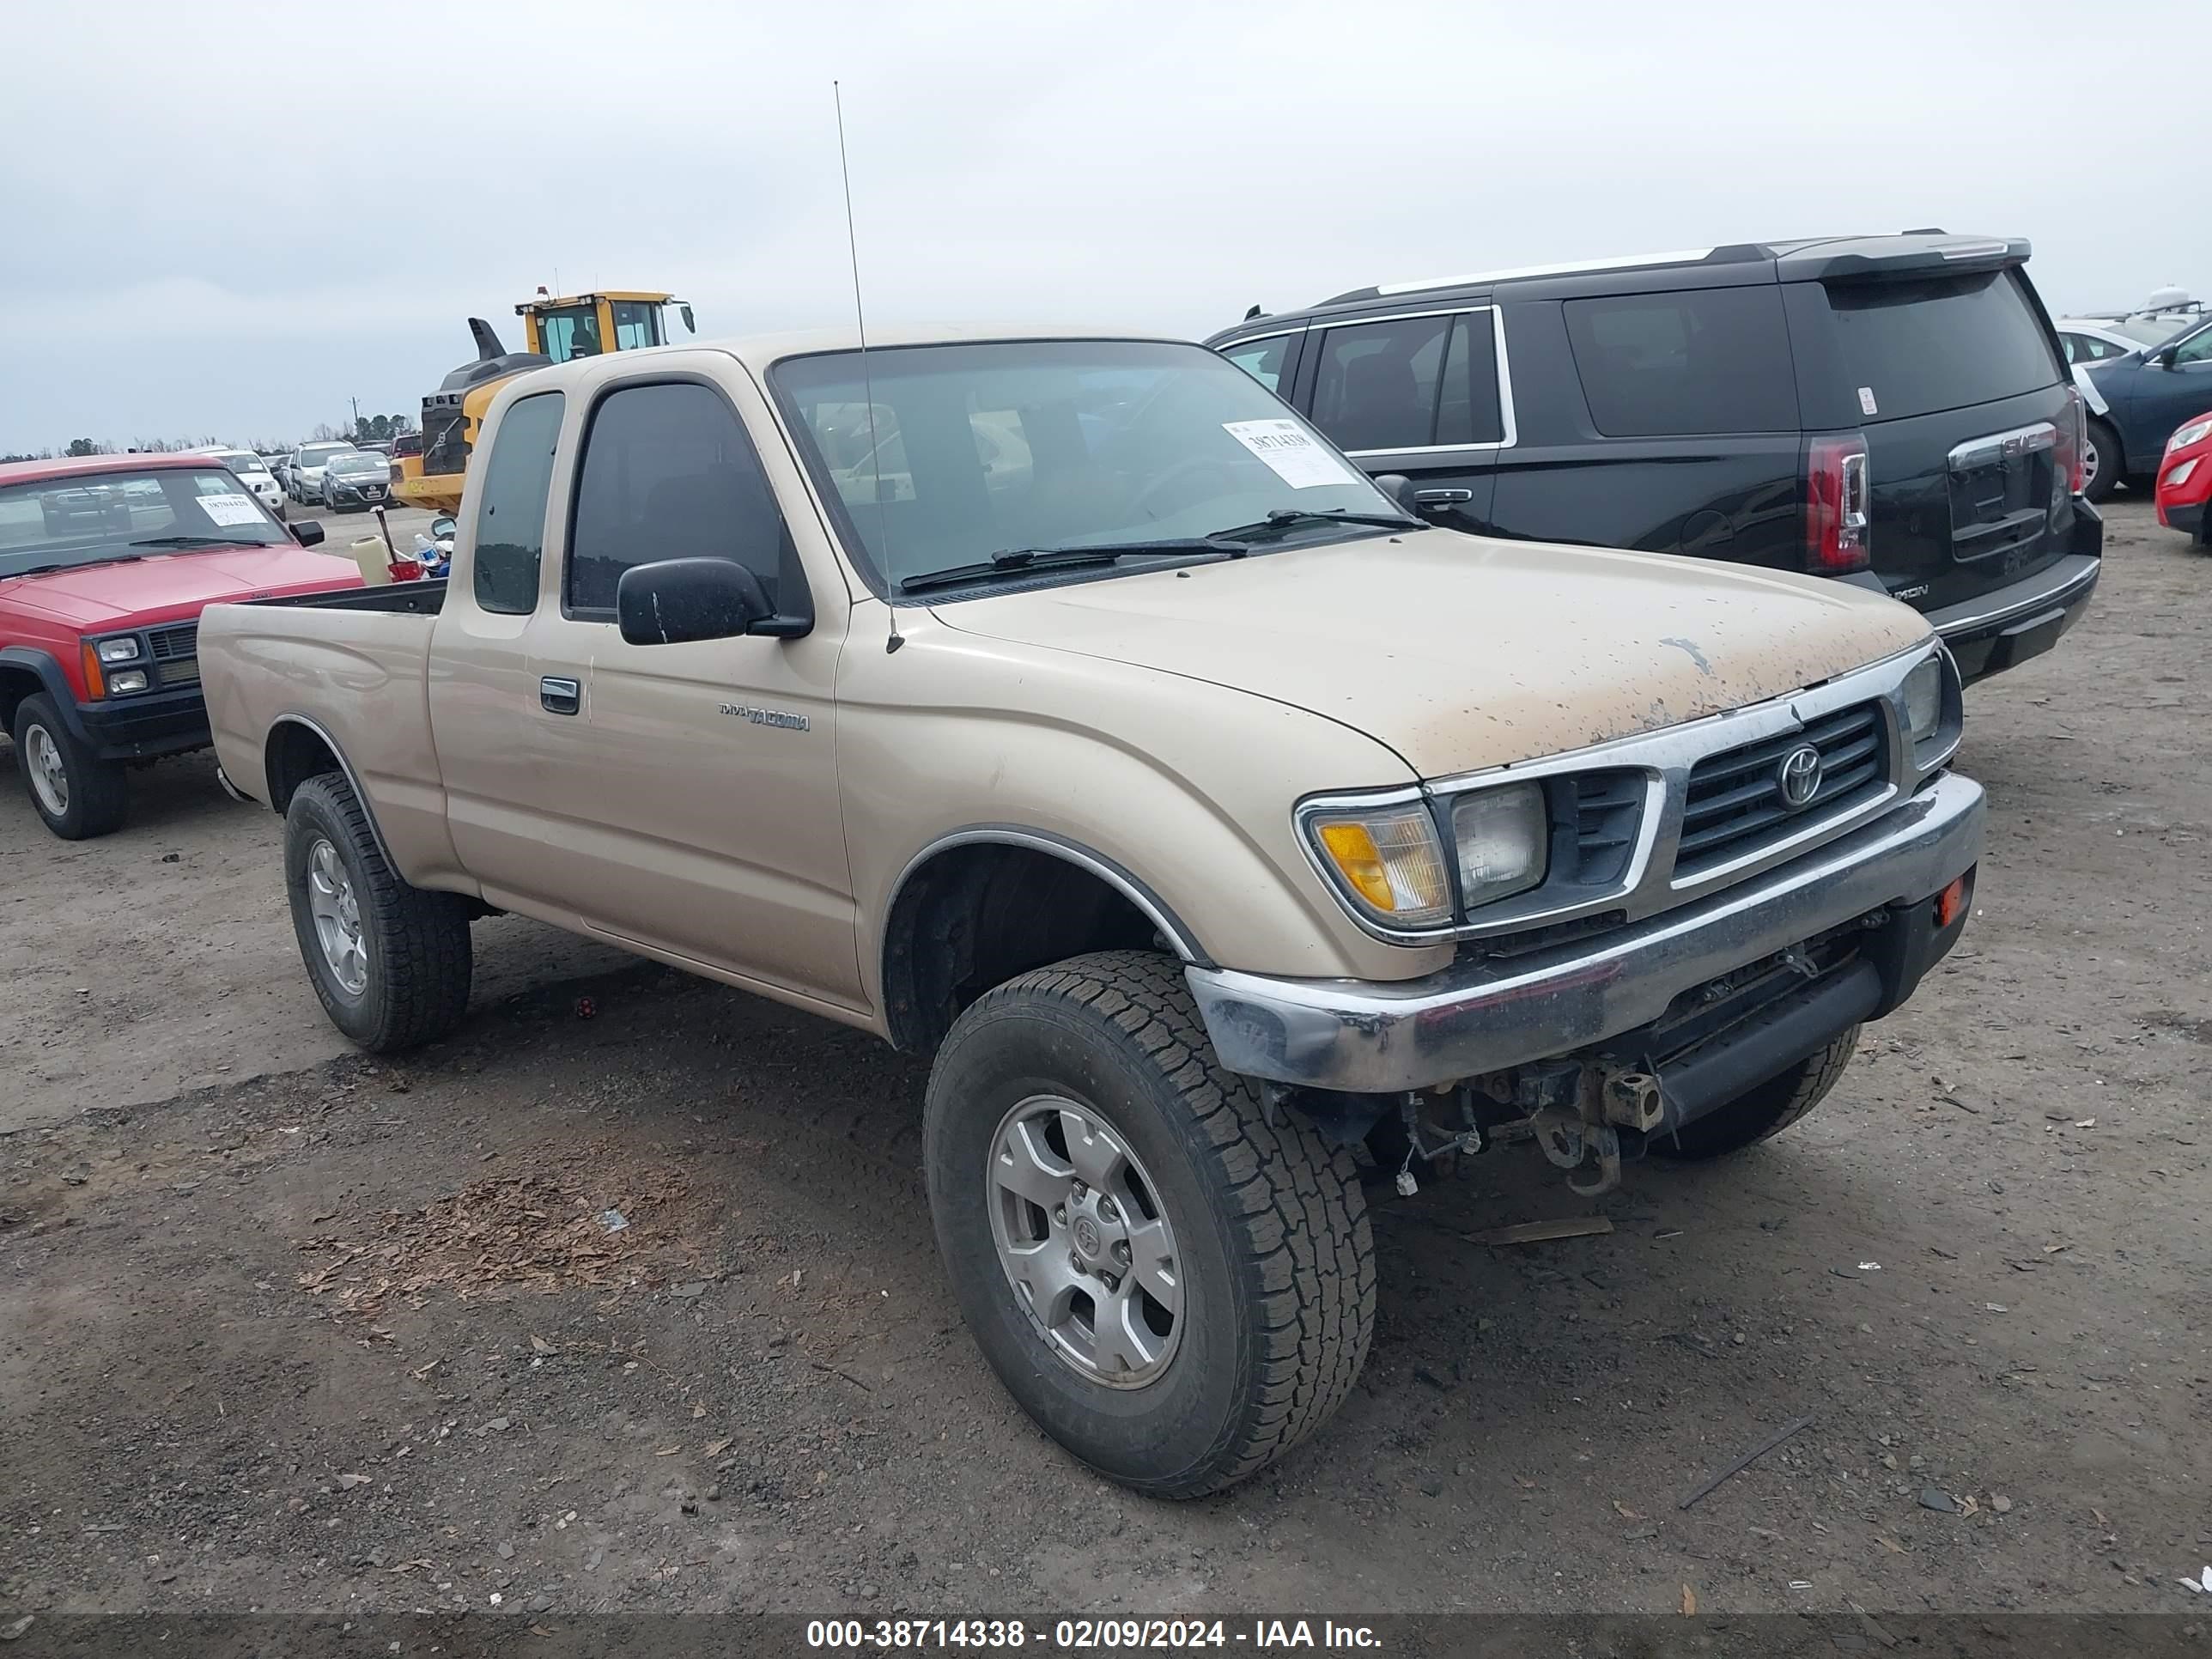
column 1177, row 1289
column 390, row 961
column 2103, row 461
column 1763, row 1111
column 77, row 794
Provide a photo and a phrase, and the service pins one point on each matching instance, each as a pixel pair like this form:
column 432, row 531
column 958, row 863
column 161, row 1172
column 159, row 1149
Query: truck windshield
column 90, row 518
column 938, row 457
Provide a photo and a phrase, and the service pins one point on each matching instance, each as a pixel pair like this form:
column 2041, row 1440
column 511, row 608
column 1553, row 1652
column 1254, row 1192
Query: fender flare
column 1149, row 904
column 52, row 682
column 345, row 770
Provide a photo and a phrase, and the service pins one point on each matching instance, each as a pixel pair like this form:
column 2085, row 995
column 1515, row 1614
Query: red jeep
column 105, row 564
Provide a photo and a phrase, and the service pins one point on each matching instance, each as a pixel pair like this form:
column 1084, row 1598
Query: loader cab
column 589, row 325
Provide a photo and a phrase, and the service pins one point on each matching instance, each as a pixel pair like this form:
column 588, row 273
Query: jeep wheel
column 390, row 962
column 1763, row 1111
column 2103, row 461
column 1175, row 1289
column 77, row 794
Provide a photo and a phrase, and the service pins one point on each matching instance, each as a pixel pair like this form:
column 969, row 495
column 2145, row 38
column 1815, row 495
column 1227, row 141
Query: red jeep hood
column 165, row 586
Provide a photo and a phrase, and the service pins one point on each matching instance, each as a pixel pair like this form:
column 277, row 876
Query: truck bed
column 347, row 672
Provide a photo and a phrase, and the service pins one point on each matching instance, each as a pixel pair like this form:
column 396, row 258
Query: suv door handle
column 1442, row 497
column 560, row 697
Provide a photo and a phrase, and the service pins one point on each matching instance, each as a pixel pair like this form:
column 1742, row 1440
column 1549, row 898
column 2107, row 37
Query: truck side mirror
column 441, row 528
column 307, row 532
column 677, row 600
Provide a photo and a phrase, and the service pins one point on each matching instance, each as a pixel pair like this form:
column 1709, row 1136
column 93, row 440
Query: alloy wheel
column 1086, row 1242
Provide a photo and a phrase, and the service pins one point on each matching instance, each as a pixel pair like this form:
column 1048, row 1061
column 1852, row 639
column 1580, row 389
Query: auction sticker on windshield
column 1289, row 448
column 229, row 509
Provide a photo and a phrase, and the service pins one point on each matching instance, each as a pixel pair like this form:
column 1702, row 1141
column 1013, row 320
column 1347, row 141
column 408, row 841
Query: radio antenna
column 867, row 384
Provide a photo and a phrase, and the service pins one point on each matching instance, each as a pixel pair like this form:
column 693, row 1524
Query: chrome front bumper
column 1380, row 1036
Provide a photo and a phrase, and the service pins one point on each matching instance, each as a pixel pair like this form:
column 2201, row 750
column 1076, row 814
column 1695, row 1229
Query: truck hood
column 163, row 586
column 1462, row 653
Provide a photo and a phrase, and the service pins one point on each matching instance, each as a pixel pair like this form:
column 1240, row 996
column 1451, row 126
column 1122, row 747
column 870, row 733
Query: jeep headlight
column 123, row 650
column 1387, row 862
column 1501, row 837
column 1924, row 701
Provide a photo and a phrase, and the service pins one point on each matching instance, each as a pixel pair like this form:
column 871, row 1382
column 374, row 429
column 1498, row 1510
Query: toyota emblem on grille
column 1798, row 777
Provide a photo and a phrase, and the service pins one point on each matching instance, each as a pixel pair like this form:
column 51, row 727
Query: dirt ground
column 284, row 1329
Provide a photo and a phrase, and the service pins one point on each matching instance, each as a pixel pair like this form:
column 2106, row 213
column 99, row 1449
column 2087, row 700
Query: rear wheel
column 77, row 794
column 391, row 962
column 2103, row 461
column 1175, row 1288
column 1762, row 1112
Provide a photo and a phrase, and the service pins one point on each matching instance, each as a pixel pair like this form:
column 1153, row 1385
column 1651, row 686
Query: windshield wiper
column 79, row 564
column 189, row 541
column 1014, row 559
column 1284, row 519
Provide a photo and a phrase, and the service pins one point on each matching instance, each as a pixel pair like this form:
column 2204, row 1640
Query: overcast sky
column 227, row 219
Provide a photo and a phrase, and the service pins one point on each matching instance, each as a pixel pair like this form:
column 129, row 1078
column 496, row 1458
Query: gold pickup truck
column 1065, row 708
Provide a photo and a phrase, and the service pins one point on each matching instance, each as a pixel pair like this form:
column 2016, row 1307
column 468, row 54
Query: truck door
column 697, row 809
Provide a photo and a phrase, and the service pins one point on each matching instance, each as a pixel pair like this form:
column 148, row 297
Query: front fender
column 1181, row 791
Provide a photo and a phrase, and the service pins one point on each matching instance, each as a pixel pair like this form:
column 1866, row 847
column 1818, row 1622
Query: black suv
column 1894, row 410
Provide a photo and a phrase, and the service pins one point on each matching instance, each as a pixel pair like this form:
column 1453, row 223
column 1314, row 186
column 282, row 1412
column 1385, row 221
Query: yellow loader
column 555, row 331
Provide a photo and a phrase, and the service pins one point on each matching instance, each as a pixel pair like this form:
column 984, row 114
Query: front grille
column 1606, row 805
column 1734, row 804
column 181, row 640
column 183, row 670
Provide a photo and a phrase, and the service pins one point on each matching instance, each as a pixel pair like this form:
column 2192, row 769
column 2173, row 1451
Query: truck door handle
column 1442, row 497
column 560, row 697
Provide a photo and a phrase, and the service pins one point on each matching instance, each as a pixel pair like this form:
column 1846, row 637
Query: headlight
column 1502, row 835
column 2195, row 432
column 132, row 679
column 123, row 650
column 1924, row 701
column 1387, row 862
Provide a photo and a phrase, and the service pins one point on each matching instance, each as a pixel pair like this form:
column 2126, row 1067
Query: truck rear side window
column 1676, row 365
column 668, row 473
column 1915, row 348
column 511, row 520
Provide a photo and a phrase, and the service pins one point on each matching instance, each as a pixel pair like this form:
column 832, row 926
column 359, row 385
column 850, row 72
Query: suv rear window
column 1667, row 365
column 1915, row 347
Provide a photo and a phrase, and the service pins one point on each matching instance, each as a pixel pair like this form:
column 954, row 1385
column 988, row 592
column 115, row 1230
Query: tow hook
column 1578, row 1119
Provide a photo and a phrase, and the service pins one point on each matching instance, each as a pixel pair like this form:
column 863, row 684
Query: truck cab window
column 511, row 520
column 668, row 473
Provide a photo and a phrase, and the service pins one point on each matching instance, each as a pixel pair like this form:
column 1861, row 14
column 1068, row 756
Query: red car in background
column 2185, row 479
column 105, row 564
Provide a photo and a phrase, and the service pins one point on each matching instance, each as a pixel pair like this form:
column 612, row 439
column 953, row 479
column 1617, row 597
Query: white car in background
column 2093, row 339
column 253, row 472
column 303, row 478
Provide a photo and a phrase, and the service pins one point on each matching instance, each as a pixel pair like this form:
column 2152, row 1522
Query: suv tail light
column 1836, row 505
column 2070, row 455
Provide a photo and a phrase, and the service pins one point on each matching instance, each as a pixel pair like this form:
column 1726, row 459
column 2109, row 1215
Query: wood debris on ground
column 535, row 1231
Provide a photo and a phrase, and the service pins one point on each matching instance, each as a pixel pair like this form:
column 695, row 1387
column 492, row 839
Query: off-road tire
column 2112, row 461
column 98, row 794
column 417, row 942
column 1274, row 1250
column 1763, row 1111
